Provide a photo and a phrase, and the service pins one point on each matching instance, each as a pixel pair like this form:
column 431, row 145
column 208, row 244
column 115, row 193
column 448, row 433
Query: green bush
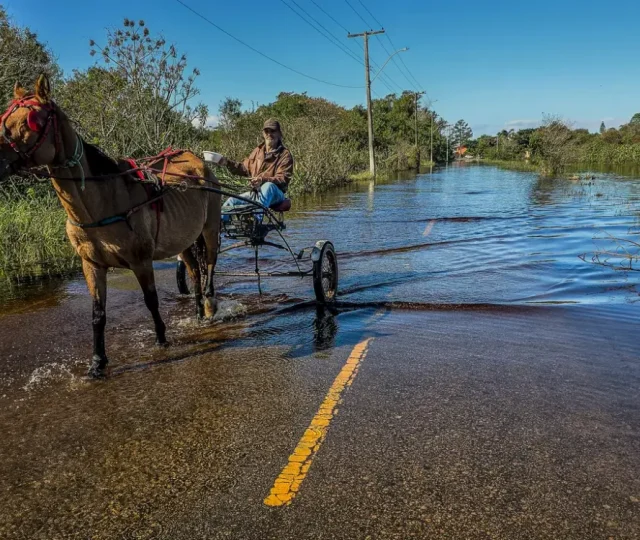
column 33, row 241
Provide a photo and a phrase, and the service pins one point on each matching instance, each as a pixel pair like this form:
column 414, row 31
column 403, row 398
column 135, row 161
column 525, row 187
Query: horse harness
column 154, row 189
column 33, row 122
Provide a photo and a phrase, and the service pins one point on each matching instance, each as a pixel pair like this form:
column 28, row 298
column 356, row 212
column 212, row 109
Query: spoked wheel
column 183, row 279
column 325, row 274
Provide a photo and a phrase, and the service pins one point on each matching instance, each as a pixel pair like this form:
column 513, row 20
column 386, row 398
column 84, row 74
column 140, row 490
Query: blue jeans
column 268, row 196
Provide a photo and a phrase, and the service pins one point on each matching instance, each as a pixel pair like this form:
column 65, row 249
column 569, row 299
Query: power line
column 393, row 59
column 386, row 78
column 261, row 53
column 415, row 81
column 385, row 49
column 392, row 44
column 371, row 14
column 358, row 14
column 405, row 67
column 323, row 11
column 326, row 34
column 334, row 39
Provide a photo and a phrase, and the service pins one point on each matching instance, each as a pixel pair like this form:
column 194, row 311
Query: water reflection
column 32, row 295
column 325, row 329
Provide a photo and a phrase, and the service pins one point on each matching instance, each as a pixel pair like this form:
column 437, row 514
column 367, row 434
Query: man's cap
column 272, row 123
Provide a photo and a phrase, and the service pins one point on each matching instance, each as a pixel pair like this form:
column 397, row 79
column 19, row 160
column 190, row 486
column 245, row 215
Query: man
column 270, row 167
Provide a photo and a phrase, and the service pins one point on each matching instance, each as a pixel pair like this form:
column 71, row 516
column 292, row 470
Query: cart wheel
column 325, row 274
column 182, row 277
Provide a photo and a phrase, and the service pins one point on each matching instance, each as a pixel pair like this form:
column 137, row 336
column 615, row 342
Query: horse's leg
column 194, row 273
column 146, row 279
column 211, row 235
column 96, row 278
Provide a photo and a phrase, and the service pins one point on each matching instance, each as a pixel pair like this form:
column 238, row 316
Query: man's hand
column 256, row 183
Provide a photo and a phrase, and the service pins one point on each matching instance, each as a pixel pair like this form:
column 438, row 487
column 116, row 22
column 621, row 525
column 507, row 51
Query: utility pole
column 433, row 117
column 447, row 131
column 431, row 156
column 367, row 78
column 418, row 94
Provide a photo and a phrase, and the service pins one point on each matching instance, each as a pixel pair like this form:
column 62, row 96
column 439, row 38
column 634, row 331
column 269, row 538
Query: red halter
column 33, row 122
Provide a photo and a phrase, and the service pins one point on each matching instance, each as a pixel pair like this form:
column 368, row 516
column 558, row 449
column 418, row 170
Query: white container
column 212, row 157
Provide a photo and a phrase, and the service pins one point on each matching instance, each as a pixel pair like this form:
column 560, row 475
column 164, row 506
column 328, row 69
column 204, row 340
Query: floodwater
column 482, row 235
column 213, row 415
column 466, row 234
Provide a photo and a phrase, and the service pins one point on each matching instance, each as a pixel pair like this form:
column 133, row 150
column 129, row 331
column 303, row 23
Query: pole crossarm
column 370, row 33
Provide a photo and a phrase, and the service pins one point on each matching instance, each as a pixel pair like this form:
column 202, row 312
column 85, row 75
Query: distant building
column 461, row 151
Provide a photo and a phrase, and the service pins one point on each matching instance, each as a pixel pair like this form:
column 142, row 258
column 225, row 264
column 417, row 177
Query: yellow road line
column 288, row 482
column 428, row 228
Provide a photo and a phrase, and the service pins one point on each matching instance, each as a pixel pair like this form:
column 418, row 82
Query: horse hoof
column 210, row 308
column 98, row 369
column 97, row 373
column 162, row 344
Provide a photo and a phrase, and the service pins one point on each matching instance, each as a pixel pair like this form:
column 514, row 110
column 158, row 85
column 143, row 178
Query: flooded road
column 496, row 396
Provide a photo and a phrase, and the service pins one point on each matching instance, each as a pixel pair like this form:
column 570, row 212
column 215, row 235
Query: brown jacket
column 276, row 166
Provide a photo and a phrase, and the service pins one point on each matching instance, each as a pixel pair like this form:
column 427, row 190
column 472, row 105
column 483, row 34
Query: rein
column 141, row 172
column 179, row 187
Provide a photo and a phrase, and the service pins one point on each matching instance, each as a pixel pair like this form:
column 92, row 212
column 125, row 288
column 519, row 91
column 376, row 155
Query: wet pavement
column 498, row 397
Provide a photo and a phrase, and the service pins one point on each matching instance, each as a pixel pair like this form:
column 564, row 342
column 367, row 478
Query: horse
column 112, row 219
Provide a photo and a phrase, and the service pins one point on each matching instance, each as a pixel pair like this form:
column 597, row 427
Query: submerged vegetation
column 554, row 147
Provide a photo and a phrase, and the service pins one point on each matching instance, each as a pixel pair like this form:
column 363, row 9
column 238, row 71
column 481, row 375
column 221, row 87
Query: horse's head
column 28, row 130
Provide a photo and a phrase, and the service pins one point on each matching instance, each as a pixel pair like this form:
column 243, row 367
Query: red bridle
column 33, row 122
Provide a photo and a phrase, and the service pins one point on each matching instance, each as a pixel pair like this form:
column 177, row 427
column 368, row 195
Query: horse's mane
column 99, row 162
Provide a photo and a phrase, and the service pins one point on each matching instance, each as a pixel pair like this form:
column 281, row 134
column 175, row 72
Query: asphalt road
column 495, row 422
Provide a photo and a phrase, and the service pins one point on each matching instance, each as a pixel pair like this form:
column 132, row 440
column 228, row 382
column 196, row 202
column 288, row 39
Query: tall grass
column 33, row 240
column 611, row 154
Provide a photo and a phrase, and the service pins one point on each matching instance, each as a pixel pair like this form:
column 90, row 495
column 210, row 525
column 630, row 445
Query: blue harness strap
column 101, row 223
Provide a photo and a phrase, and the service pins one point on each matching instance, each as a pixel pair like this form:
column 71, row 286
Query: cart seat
column 283, row 206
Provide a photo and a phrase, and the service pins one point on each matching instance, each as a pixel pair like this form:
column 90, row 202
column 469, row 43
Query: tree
column 138, row 100
column 22, row 58
column 612, row 136
column 230, row 110
column 522, row 137
column 98, row 99
column 553, row 146
column 631, row 132
column 461, row 133
column 485, row 146
column 603, row 128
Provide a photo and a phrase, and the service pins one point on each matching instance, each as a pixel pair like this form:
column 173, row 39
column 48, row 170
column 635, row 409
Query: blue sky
column 495, row 64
